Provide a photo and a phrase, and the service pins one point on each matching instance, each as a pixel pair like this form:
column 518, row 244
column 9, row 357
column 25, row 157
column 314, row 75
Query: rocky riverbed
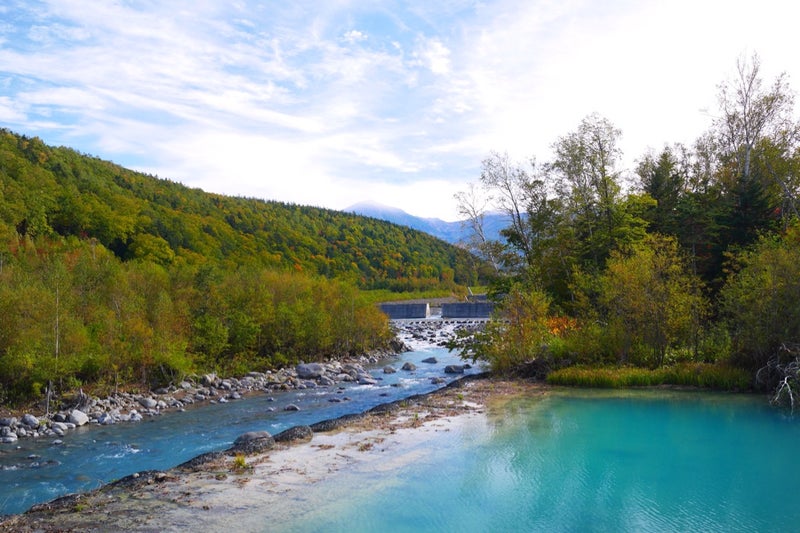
column 123, row 407
column 265, row 479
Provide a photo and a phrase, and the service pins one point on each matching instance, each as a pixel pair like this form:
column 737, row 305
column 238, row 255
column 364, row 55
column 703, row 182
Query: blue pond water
column 571, row 460
column 587, row 461
column 35, row 471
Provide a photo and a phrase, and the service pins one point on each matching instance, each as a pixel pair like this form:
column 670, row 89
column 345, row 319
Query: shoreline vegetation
column 691, row 375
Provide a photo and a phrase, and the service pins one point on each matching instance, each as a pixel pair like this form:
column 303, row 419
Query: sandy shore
column 247, row 493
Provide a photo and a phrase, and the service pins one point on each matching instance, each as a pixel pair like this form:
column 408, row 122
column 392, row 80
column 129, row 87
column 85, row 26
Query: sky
column 333, row 102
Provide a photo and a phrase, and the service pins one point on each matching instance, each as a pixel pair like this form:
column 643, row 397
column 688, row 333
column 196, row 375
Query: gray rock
column 209, row 379
column 325, row 381
column 58, row 426
column 437, row 381
column 291, row 407
column 148, row 403
column 454, row 369
column 251, row 435
column 253, row 442
column 366, row 380
column 409, row 366
column 309, row 370
column 9, row 421
column 30, row 421
column 78, row 417
column 106, row 419
column 430, row 360
column 389, row 369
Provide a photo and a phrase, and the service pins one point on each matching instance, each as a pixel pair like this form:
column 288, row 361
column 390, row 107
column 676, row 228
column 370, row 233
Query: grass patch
column 240, row 463
column 703, row 375
column 376, row 296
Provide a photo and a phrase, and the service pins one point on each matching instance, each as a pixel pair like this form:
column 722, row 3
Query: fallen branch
column 782, row 376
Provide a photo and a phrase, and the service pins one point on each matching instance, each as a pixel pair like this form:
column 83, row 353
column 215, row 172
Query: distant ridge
column 452, row 232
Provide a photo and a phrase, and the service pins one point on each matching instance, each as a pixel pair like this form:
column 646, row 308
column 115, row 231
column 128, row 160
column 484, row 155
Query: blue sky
column 329, row 103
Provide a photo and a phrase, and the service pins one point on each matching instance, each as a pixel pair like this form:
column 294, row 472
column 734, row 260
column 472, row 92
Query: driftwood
column 782, row 374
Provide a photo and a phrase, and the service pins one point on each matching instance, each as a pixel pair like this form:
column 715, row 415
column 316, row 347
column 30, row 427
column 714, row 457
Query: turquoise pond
column 582, row 461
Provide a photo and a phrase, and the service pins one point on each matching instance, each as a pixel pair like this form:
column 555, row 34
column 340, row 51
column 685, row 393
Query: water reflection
column 593, row 461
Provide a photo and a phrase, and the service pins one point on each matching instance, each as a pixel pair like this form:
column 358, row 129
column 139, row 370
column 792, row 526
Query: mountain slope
column 49, row 192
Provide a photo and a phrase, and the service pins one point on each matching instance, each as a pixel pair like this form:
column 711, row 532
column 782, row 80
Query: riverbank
column 249, row 491
column 124, row 407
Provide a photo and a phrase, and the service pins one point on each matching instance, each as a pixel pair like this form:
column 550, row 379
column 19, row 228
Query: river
column 37, row 470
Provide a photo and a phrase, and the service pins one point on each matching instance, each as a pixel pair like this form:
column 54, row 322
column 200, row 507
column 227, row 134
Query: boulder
column 251, row 435
column 209, row 380
column 454, row 369
column 430, row 360
column 291, row 407
column 409, row 366
column 30, row 421
column 78, row 417
column 58, row 426
column 388, row 369
column 253, row 442
column 364, row 379
column 148, row 403
column 309, row 370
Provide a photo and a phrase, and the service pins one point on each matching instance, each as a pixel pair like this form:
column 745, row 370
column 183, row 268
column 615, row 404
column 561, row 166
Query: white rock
column 78, row 417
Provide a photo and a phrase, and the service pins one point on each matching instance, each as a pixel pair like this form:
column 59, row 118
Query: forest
column 111, row 278
column 691, row 264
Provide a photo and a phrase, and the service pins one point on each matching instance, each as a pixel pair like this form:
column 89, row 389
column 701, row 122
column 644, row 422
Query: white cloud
column 328, row 103
column 433, row 55
column 10, row 111
column 354, row 36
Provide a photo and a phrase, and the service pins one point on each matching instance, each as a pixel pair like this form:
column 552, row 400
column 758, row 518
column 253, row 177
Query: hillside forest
column 691, row 262
column 112, row 278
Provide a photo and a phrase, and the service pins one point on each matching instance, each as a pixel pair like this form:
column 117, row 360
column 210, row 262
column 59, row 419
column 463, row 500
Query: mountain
column 55, row 192
column 452, row 232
